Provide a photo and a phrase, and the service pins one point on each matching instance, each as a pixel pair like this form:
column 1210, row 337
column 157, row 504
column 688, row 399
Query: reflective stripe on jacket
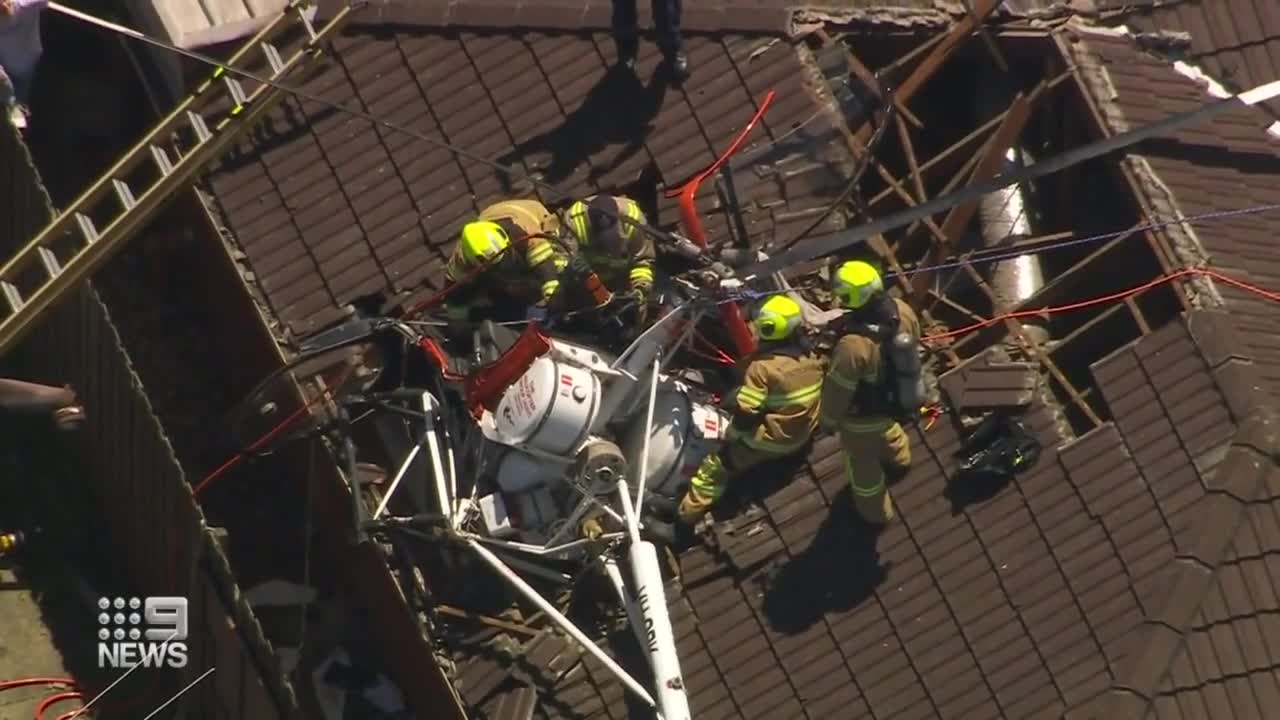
column 529, row 271
column 785, row 388
column 855, row 364
column 622, row 259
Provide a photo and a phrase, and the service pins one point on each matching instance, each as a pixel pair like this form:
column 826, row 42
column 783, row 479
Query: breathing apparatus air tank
column 904, row 358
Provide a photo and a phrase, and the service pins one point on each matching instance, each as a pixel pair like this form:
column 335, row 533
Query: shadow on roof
column 619, row 109
column 1241, row 161
column 837, row 572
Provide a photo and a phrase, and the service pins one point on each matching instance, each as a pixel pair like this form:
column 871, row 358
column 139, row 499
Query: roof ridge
column 752, row 18
column 1253, row 452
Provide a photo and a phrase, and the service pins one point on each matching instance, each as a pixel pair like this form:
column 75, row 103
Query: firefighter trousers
column 869, row 445
column 713, row 475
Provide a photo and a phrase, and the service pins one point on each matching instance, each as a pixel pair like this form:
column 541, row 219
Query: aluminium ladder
column 99, row 222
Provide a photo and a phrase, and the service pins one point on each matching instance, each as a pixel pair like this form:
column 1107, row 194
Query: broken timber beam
column 987, row 40
column 868, row 78
column 951, row 40
column 1004, row 138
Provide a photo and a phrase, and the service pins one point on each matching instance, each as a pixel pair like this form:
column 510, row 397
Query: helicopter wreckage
column 518, row 442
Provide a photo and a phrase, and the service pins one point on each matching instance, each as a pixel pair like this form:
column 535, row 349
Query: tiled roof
column 1237, row 42
column 1035, row 600
column 1227, row 165
column 327, row 208
column 1054, row 597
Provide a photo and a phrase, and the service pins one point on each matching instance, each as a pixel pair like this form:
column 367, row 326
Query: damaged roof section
column 1051, row 597
column 1222, row 171
column 326, row 208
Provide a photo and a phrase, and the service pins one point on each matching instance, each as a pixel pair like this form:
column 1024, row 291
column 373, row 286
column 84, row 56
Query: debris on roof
column 1038, row 601
column 1046, row 597
column 985, row 383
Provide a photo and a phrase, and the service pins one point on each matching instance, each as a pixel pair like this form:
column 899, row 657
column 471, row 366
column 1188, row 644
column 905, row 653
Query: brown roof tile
column 985, row 383
column 1035, row 603
column 1237, row 42
column 1223, row 166
column 328, row 208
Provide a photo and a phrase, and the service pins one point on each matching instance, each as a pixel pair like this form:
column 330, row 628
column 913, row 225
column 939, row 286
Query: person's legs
column 896, row 449
column 22, row 84
column 626, row 32
column 7, row 91
column 713, row 476
column 863, row 453
column 666, row 19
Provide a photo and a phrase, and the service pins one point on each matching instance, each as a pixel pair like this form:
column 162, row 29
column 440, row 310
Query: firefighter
column 870, row 383
column 605, row 230
column 775, row 410
column 512, row 251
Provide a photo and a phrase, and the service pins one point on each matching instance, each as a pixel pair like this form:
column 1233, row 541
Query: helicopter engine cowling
column 550, row 408
column 686, row 427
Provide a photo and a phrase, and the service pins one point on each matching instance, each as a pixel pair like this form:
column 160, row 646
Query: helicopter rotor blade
column 832, row 244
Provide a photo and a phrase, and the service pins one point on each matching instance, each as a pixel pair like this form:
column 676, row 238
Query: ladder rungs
column 50, row 262
column 87, row 228
column 199, row 127
column 303, row 15
column 127, row 201
column 273, row 58
column 11, row 295
column 175, row 154
column 162, row 160
column 237, row 94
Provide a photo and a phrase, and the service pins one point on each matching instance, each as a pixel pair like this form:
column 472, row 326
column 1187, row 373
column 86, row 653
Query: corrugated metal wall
column 151, row 520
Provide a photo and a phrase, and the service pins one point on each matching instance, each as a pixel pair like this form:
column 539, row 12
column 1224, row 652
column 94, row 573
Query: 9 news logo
column 150, row 632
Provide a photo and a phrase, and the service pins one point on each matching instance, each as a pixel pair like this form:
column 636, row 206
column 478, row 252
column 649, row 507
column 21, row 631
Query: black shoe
column 678, row 63
column 627, row 51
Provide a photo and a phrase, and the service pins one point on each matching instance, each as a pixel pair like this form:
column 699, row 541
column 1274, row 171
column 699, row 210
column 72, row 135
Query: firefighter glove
column 639, row 299
column 591, row 529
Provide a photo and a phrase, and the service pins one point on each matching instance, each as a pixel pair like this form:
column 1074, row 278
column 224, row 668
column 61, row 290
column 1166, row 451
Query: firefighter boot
column 705, row 487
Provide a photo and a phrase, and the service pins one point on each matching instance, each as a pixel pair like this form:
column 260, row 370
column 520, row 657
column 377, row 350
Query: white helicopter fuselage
column 547, row 417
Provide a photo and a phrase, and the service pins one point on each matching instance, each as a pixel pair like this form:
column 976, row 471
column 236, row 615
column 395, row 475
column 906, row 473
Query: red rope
column 1103, row 300
column 54, row 700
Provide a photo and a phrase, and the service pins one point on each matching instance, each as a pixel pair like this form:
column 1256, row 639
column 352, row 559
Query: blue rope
column 1011, row 254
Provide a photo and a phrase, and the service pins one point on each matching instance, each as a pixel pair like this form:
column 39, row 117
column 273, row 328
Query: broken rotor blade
column 822, row 247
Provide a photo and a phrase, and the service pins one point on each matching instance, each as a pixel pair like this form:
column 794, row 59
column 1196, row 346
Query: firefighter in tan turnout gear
column 873, row 380
column 604, row 228
column 512, row 251
column 775, row 410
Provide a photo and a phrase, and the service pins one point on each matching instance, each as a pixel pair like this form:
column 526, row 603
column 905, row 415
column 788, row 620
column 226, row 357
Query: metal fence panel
column 136, row 481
